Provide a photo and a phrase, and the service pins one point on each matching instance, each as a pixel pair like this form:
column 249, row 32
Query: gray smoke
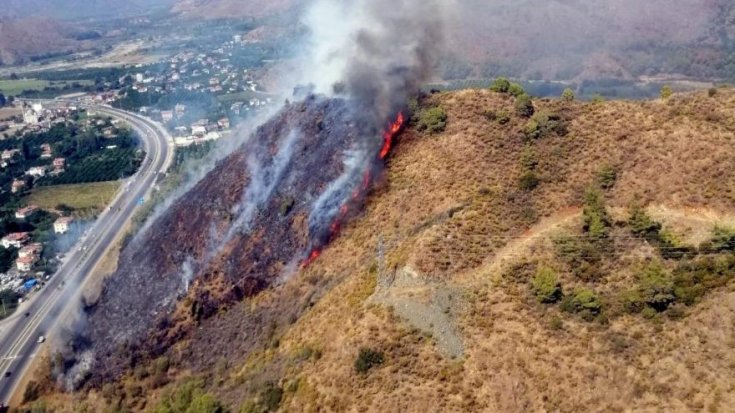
column 377, row 52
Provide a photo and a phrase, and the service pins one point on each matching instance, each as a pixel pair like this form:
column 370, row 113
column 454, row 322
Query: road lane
column 19, row 335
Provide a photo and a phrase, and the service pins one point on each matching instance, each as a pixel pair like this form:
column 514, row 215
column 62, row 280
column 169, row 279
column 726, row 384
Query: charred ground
column 231, row 237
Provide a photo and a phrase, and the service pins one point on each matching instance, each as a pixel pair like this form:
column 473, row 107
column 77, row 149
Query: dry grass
column 450, row 207
column 84, row 197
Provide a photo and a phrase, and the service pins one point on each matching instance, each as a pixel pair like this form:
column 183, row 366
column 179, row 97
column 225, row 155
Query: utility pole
column 381, row 256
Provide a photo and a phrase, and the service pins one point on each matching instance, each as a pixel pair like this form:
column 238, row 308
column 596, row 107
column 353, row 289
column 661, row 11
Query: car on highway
column 8, row 373
column 41, row 339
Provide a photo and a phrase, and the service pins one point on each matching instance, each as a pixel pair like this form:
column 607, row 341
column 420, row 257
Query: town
column 199, row 95
column 44, row 148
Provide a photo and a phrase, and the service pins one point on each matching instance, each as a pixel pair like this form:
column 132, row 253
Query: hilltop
column 577, row 259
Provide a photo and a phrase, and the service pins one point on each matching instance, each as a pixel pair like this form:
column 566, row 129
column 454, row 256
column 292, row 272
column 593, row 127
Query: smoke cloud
column 377, row 52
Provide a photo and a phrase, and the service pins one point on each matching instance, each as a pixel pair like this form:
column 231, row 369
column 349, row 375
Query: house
column 61, row 225
column 26, row 212
column 198, row 130
column 167, row 115
column 59, row 164
column 16, row 240
column 224, row 123
column 30, row 250
column 30, row 117
column 46, row 151
column 17, row 186
column 8, row 154
column 37, row 171
column 25, row 264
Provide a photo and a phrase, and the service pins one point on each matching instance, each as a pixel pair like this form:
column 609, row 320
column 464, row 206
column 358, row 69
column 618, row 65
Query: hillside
column 29, row 37
column 564, row 263
column 80, row 9
column 225, row 9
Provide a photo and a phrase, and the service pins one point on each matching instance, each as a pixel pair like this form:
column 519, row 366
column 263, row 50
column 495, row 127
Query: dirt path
column 521, row 245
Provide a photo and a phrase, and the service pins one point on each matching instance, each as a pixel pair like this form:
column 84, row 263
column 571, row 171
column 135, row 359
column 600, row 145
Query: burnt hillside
column 254, row 218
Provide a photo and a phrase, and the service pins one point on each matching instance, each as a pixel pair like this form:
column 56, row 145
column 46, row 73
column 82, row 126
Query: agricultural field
column 17, row 87
column 90, row 196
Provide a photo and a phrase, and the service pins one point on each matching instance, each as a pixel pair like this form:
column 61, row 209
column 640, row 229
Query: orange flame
column 315, row 253
column 391, row 133
column 344, row 210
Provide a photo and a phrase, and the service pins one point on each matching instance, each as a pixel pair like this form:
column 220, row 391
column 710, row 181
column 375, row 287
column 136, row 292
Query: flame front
column 388, row 136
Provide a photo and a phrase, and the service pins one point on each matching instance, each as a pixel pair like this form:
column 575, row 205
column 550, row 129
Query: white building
column 61, row 225
column 16, row 240
column 30, row 117
column 37, row 171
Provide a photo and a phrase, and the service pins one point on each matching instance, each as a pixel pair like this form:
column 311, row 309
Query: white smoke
column 265, row 175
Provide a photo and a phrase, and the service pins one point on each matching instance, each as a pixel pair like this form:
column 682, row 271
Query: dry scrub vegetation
column 452, row 206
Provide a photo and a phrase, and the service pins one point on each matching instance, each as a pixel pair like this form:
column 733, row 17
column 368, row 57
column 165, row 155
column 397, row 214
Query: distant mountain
column 34, row 36
column 217, row 9
column 80, row 9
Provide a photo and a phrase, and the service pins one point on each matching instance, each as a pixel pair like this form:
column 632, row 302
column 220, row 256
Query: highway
column 19, row 335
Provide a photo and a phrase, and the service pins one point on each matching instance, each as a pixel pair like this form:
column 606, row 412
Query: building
column 17, row 186
column 167, row 116
column 8, row 154
column 46, row 151
column 37, row 171
column 224, row 123
column 30, row 250
column 30, row 117
column 198, row 130
column 26, row 212
column 25, row 264
column 59, row 164
column 61, row 225
column 15, row 240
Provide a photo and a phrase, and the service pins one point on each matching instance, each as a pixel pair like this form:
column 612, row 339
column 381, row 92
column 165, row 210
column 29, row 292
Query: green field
column 84, row 197
column 16, row 87
column 241, row 97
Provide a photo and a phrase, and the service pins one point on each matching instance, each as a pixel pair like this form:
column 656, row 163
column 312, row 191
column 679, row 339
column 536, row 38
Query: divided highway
column 38, row 316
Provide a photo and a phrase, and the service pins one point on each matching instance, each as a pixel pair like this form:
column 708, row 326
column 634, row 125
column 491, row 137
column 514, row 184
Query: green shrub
column 582, row 255
column 367, row 359
column 532, row 129
column 583, row 301
column 524, row 106
column 606, row 177
column 694, row 278
column 656, row 287
column 503, row 117
column 723, row 240
column 529, row 181
column 643, row 225
column 500, row 85
column 666, row 92
column 432, row 120
column 529, row 160
column 271, row 397
column 546, row 287
column 205, row 403
column 596, row 219
column 568, row 95
column 516, row 90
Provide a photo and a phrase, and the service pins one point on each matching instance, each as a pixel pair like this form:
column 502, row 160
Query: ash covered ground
column 257, row 217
